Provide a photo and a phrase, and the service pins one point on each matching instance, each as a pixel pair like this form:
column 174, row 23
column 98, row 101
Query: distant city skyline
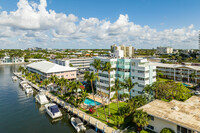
column 98, row 24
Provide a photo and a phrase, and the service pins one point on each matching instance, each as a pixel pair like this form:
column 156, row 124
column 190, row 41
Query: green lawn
column 113, row 111
column 163, row 79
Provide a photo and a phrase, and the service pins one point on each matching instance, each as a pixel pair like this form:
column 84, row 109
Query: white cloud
column 32, row 24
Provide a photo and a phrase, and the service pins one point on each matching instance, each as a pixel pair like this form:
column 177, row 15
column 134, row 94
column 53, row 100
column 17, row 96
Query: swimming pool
column 186, row 85
column 91, row 102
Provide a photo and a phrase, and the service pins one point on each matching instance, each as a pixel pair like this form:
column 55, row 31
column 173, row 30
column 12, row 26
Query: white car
column 197, row 93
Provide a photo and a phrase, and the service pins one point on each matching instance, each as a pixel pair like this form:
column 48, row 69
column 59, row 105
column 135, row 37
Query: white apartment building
column 164, row 50
column 138, row 69
column 122, row 51
column 178, row 72
column 79, row 63
column 181, row 117
column 11, row 60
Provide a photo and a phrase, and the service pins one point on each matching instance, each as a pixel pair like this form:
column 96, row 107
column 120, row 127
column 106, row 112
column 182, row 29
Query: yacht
column 77, row 124
column 14, row 78
column 23, row 84
column 42, row 99
column 28, row 89
column 53, row 110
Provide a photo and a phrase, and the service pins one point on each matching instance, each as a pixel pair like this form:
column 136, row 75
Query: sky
column 99, row 23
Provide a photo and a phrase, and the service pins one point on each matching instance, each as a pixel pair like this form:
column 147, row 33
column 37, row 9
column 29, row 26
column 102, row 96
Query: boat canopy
column 78, row 121
column 54, row 109
column 90, row 131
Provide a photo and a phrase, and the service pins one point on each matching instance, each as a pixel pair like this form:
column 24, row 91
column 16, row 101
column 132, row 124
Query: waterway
column 19, row 113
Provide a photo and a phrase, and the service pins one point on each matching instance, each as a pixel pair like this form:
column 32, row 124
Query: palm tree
column 61, row 83
column 45, row 82
column 38, row 76
column 20, row 69
column 97, row 65
column 129, row 84
column 84, row 95
column 193, row 76
column 108, row 67
column 141, row 118
column 117, row 87
column 91, row 77
column 54, row 79
column 75, row 87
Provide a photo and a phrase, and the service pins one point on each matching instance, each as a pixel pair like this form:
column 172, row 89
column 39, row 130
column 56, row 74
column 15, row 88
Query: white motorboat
column 42, row 99
column 22, row 83
column 28, row 89
column 14, row 78
column 77, row 124
column 53, row 110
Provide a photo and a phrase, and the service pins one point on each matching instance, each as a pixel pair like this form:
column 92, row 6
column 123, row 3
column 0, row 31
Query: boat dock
column 18, row 75
column 85, row 117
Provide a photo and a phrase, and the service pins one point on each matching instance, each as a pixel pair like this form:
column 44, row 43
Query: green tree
column 97, row 65
column 108, row 68
column 141, row 118
column 91, row 77
column 167, row 130
column 129, row 84
column 193, row 76
column 118, row 87
column 45, row 82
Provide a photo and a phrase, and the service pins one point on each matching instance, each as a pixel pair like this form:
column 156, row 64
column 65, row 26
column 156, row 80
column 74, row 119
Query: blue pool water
column 91, row 102
column 186, row 85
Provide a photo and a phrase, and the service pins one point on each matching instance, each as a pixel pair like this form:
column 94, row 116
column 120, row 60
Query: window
column 140, row 92
column 150, row 127
column 72, row 74
column 139, row 78
column 151, row 117
column 67, row 75
column 139, row 85
column 133, row 77
column 140, row 71
column 133, row 70
column 133, row 90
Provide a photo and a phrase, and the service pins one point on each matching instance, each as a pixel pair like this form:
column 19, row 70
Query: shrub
column 167, row 130
column 143, row 131
column 92, row 110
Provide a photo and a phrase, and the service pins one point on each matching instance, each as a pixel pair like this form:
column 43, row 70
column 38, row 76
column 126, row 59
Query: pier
column 85, row 117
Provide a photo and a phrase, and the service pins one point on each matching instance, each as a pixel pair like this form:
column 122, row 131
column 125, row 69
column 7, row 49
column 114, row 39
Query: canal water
column 20, row 113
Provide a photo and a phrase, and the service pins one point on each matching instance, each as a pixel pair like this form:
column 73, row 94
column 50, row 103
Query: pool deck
column 96, row 99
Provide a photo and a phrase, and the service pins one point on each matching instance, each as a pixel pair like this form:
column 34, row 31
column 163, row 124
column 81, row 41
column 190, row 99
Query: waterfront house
column 11, row 60
column 46, row 69
column 181, row 117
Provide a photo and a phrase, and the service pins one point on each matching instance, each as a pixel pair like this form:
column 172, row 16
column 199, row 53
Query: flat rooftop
column 174, row 66
column 186, row 114
column 49, row 67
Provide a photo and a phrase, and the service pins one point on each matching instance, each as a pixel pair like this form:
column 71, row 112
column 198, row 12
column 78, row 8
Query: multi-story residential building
column 126, row 51
column 181, row 117
column 138, row 69
column 46, row 69
column 11, row 60
column 79, row 63
column 178, row 72
column 164, row 50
